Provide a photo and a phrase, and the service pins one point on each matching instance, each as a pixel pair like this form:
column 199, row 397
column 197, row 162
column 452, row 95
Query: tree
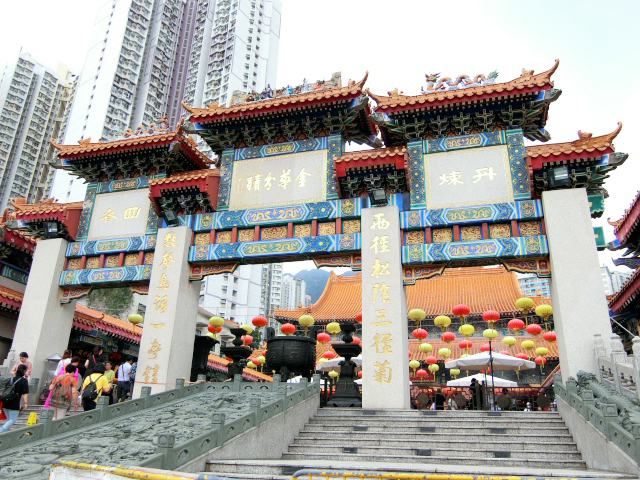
column 112, row 301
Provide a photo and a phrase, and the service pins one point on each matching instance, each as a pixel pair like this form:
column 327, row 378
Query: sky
column 399, row 42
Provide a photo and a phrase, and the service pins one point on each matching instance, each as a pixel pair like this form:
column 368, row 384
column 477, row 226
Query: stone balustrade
column 619, row 371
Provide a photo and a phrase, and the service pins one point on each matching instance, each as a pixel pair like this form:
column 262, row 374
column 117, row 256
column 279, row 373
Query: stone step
column 356, row 412
column 281, row 469
column 418, row 428
column 503, row 442
column 448, row 423
column 434, row 450
column 448, row 459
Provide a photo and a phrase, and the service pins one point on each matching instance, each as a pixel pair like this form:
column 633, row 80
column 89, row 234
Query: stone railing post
column 610, row 414
column 282, row 391
column 635, row 431
column 46, row 417
column 237, row 382
column 166, row 442
column 102, row 402
column 145, row 395
column 201, row 378
column 618, row 355
column 180, row 387
column 217, row 420
column 254, row 405
column 636, row 365
column 276, row 382
column 588, row 399
column 572, row 386
column 600, row 351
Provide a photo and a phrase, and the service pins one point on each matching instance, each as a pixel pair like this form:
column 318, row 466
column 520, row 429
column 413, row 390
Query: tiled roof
column 586, row 145
column 627, row 293
column 85, row 147
column 107, row 323
column 12, row 299
column 480, row 288
column 456, row 351
column 185, row 176
column 527, row 82
column 373, row 154
column 46, row 206
column 221, row 364
column 626, row 225
column 216, row 112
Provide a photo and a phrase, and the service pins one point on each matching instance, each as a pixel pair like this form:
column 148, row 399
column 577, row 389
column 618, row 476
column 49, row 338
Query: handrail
column 345, row 475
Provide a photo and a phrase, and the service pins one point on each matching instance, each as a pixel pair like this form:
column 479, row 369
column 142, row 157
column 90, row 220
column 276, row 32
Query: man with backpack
column 93, row 386
column 11, row 395
column 124, row 379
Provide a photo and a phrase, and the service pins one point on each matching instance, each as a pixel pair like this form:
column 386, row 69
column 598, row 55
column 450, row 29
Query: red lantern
column 212, row 329
column 357, row 340
column 329, row 354
column 461, row 310
column 260, row 322
column 432, row 360
column 549, row 336
column 523, row 356
column 516, row 325
column 410, row 354
column 485, row 347
column 505, row 352
column 324, row 337
column 534, row 329
column 420, row 333
column 540, row 361
column 491, row 316
column 360, row 374
column 248, row 339
column 463, row 344
column 421, row 373
column 448, row 337
column 359, row 317
column 229, row 359
column 288, row 328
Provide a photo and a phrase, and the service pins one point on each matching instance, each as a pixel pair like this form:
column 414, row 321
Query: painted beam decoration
column 112, row 245
column 100, row 276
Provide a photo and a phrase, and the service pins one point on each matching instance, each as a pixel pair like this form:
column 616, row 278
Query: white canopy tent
column 334, row 364
column 480, row 377
column 482, row 361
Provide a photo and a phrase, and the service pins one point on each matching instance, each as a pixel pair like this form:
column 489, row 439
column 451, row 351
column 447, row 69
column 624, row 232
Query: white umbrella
column 496, row 381
column 359, row 382
column 481, row 361
column 334, row 363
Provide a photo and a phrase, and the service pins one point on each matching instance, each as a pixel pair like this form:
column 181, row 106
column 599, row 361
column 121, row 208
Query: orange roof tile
column 585, row 144
column 480, row 288
column 85, row 147
column 185, row 176
column 222, row 364
column 45, row 206
column 527, row 82
column 371, row 154
column 252, row 108
column 11, row 294
column 94, row 317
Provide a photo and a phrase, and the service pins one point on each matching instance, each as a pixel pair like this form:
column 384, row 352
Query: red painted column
column 102, row 260
column 66, row 264
column 456, row 233
column 121, row 259
column 290, row 230
column 485, row 230
column 338, row 226
column 234, row 234
column 83, row 262
column 212, row 236
column 428, row 235
column 256, row 233
column 543, row 227
column 141, row 257
column 314, row 228
column 514, row 228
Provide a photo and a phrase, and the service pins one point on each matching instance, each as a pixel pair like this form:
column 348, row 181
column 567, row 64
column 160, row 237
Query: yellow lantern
column 414, row 364
column 442, row 321
column 247, row 328
column 490, row 333
column 454, row 372
column 322, row 360
column 544, row 311
column 333, row 374
column 426, row 347
column 333, row 328
column 525, row 304
column 261, row 360
column 464, row 355
column 528, row 345
column 216, row 321
column 417, row 315
column 212, row 335
column 135, row 319
column 306, row 321
column 467, row 330
column 433, row 368
column 252, row 365
column 444, row 352
column 542, row 351
column 509, row 342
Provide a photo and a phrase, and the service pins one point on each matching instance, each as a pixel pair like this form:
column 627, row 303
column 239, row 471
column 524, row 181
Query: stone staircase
column 487, row 443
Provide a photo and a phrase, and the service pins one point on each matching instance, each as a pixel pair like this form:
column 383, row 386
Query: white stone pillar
column 580, row 307
column 166, row 347
column 385, row 343
column 44, row 324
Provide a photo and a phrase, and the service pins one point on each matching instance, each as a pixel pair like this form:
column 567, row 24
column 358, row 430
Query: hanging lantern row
column 462, row 311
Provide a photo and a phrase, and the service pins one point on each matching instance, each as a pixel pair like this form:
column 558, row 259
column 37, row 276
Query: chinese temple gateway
column 447, row 183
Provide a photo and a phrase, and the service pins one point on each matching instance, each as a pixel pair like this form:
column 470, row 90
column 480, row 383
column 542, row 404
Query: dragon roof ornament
column 435, row 83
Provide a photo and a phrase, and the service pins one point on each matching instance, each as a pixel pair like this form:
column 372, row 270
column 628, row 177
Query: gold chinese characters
column 285, row 179
column 455, row 177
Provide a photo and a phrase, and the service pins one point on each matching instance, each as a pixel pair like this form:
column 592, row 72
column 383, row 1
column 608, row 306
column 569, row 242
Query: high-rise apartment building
column 294, row 293
column 149, row 55
column 271, row 294
column 34, row 101
column 532, row 286
column 234, row 296
column 613, row 280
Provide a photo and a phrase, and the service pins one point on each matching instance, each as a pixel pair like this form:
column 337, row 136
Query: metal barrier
column 83, row 471
column 346, row 475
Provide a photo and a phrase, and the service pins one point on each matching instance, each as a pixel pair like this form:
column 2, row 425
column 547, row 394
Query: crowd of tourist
column 73, row 385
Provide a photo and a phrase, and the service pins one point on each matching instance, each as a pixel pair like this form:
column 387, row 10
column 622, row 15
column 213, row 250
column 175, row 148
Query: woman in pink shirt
column 23, row 361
